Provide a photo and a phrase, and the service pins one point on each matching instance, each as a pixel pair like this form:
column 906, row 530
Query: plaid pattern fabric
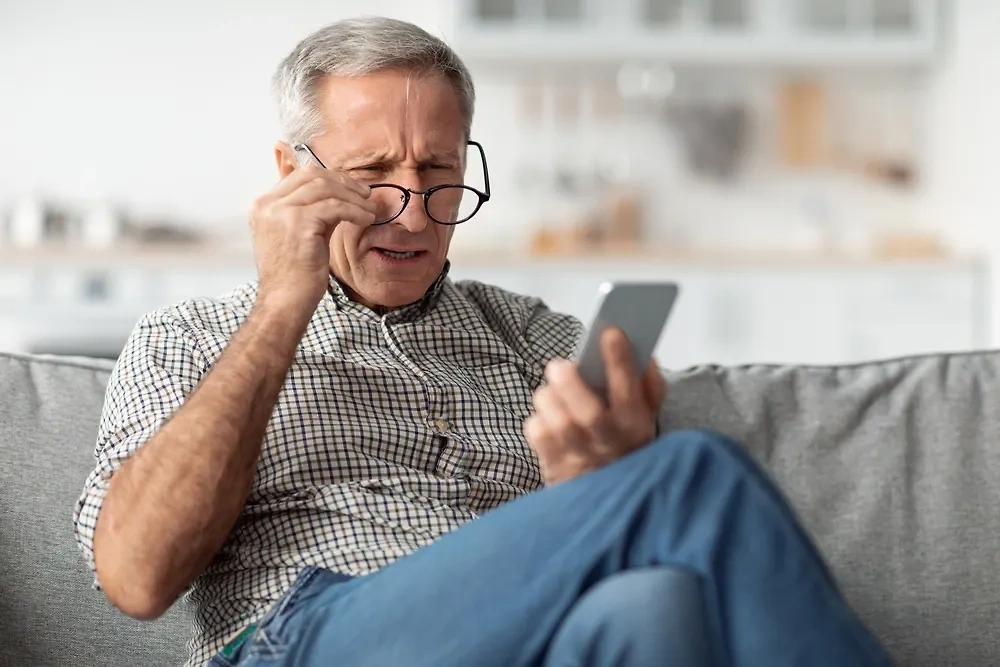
column 391, row 430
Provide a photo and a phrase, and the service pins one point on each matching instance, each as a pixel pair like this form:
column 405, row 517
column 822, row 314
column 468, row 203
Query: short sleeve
column 159, row 367
column 533, row 331
column 552, row 335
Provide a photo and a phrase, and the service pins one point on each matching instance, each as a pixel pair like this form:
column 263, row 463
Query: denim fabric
column 499, row 591
column 276, row 630
column 638, row 618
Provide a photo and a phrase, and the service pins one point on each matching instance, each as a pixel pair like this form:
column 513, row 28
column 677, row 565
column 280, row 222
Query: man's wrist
column 277, row 325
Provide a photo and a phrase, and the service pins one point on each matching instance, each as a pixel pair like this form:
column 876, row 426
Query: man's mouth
column 399, row 254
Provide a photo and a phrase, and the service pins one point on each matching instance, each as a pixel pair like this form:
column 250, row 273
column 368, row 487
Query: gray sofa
column 894, row 467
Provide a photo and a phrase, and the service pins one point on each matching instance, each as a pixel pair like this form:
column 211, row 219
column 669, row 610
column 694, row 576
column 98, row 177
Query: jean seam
column 219, row 660
column 265, row 647
column 265, row 644
column 301, row 584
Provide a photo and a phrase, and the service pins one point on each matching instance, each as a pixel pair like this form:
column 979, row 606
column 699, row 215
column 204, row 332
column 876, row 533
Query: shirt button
column 441, row 425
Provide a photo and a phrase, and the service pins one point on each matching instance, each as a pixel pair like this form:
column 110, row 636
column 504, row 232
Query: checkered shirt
column 390, row 431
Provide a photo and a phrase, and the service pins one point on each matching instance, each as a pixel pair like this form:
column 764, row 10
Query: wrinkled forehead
column 405, row 113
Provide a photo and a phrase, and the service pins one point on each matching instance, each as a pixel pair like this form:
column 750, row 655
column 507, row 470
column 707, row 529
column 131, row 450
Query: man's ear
column 285, row 158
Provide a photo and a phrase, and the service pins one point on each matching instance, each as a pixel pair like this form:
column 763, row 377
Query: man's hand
column 292, row 226
column 574, row 431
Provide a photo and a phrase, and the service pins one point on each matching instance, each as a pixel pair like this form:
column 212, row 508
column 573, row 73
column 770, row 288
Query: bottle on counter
column 26, row 228
column 101, row 226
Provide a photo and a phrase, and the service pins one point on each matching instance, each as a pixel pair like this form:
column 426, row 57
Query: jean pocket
column 219, row 660
column 279, row 626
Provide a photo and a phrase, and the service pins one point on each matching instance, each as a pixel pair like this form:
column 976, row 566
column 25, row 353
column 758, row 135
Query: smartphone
column 640, row 310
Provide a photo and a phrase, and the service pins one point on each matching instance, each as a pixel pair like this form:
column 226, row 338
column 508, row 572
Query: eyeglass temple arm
column 305, row 147
column 486, row 171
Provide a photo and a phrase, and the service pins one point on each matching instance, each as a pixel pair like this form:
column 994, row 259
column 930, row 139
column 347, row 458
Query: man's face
column 390, row 127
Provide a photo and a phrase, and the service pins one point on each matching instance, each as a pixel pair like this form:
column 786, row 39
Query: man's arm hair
column 171, row 506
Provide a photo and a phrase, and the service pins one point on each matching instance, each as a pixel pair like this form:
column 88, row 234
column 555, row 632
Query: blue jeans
column 683, row 552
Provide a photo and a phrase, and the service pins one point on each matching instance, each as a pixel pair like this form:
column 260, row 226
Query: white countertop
column 236, row 256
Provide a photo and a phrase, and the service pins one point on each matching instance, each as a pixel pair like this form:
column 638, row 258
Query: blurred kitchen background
column 820, row 175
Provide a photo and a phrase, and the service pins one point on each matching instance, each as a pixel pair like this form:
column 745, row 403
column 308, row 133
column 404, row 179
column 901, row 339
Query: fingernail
column 562, row 364
column 554, row 365
column 613, row 337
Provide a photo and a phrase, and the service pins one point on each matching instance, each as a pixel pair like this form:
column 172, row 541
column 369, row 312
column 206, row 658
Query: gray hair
column 356, row 47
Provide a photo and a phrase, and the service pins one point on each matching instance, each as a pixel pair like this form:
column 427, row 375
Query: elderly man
column 342, row 461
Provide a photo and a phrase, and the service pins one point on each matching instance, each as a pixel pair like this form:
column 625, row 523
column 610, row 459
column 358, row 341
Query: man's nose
column 414, row 216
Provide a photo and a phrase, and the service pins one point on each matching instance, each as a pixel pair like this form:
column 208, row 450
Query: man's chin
column 393, row 294
column 383, row 285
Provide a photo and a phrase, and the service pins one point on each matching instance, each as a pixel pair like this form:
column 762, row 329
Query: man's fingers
column 624, row 385
column 537, row 434
column 584, row 406
column 294, row 180
column 354, row 185
column 654, row 386
column 319, row 188
column 346, row 181
column 314, row 173
column 550, row 410
column 558, row 421
column 332, row 211
column 542, row 437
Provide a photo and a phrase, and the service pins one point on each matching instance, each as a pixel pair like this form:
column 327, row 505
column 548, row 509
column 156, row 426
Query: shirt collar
column 413, row 311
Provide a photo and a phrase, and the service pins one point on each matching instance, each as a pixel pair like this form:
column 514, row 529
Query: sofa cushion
column 49, row 613
column 894, row 467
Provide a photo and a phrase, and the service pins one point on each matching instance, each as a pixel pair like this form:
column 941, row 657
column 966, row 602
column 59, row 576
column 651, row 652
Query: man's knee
column 636, row 617
column 628, row 600
column 698, row 439
column 695, row 448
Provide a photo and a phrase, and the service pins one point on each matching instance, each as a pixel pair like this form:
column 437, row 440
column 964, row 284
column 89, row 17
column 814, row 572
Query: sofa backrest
column 893, row 466
column 49, row 613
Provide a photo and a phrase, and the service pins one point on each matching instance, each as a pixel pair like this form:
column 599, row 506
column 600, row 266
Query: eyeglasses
column 447, row 204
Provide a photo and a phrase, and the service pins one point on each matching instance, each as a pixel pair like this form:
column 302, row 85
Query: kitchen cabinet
column 729, row 312
column 524, row 11
column 879, row 16
column 711, row 14
column 698, row 32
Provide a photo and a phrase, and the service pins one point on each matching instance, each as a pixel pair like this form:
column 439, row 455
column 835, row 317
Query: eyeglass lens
column 448, row 205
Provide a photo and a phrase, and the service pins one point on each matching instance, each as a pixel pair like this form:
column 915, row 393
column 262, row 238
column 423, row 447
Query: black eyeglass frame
column 483, row 197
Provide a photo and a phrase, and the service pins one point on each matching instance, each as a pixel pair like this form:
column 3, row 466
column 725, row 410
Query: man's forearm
column 170, row 508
